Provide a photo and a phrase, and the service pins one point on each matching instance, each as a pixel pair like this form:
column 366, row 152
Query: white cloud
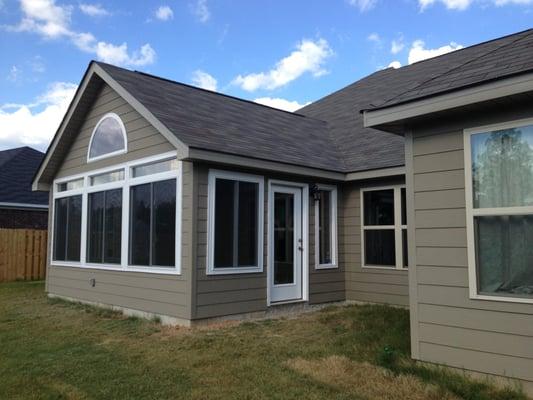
column 14, row 74
column 204, row 80
column 201, row 11
column 418, row 52
column 397, row 45
column 164, row 13
column 395, row 64
column 94, row 10
column 461, row 5
column 282, row 104
column 374, row 37
column 34, row 124
column 309, row 56
column 51, row 21
column 112, row 54
column 363, row 5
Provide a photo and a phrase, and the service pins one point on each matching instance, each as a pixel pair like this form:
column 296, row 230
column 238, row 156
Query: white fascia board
column 489, row 91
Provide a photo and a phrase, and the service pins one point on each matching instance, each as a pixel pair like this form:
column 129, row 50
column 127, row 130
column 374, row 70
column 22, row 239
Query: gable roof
column 327, row 135
column 208, row 120
column 478, row 64
column 17, row 167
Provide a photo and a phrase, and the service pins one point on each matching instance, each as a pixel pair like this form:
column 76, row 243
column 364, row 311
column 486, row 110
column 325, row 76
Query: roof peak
column 175, row 82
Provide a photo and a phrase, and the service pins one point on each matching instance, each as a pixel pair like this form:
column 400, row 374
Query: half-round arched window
column 108, row 138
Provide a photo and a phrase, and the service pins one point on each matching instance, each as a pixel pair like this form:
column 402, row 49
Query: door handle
column 300, row 247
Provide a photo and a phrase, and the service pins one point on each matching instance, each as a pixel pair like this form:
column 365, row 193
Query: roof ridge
column 520, row 37
column 209, row 91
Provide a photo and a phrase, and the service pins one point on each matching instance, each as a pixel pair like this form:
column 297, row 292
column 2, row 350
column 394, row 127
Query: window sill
column 233, row 271
column 384, row 267
column 146, row 270
column 507, row 299
column 326, row 266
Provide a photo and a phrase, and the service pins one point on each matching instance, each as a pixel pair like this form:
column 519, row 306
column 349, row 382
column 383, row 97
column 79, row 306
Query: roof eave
column 389, row 118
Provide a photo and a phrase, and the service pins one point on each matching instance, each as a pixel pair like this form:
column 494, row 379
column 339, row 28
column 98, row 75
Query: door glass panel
column 283, row 238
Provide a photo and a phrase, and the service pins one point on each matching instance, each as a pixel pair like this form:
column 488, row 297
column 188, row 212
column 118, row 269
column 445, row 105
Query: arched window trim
column 113, row 153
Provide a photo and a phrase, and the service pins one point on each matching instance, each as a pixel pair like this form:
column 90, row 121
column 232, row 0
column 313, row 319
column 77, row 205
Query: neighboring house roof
column 479, row 64
column 17, row 167
column 208, row 120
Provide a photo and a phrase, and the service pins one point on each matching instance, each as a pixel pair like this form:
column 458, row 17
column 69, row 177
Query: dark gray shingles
column 17, row 167
column 212, row 121
column 470, row 66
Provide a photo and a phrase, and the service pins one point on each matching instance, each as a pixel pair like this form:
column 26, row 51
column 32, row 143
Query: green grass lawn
column 57, row 350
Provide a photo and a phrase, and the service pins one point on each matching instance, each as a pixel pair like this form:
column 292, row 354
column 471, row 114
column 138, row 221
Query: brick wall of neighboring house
column 23, row 219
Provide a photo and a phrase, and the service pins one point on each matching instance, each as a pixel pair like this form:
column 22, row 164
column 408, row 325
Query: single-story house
column 412, row 187
column 20, row 207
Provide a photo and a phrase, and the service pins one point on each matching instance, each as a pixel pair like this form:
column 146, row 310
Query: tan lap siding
column 219, row 295
column 484, row 336
column 143, row 139
column 153, row 293
column 366, row 284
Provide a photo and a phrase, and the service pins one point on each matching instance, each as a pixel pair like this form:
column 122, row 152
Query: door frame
column 305, row 237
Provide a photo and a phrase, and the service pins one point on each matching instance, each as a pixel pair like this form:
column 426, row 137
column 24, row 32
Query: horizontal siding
column 220, row 295
column 153, row 293
column 160, row 294
column 479, row 361
column 143, row 139
column 365, row 284
column 484, row 336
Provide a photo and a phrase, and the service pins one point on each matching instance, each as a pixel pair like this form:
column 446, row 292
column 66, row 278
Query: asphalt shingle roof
column 213, row 121
column 366, row 148
column 17, row 168
column 329, row 133
column 481, row 63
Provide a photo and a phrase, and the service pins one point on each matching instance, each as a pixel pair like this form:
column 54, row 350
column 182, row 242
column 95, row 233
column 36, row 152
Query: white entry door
column 286, row 243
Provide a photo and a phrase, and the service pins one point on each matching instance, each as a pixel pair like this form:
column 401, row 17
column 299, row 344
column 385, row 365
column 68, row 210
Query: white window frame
column 472, row 212
column 397, row 227
column 333, row 228
column 213, row 175
column 125, row 184
column 113, row 153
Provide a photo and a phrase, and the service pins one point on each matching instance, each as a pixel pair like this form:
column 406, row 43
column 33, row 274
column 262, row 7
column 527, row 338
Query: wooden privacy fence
column 22, row 254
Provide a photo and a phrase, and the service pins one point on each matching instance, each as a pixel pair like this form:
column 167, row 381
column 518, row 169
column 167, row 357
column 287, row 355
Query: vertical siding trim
column 411, row 239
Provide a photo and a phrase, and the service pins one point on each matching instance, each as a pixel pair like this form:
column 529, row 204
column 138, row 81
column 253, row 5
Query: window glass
column 67, row 228
column 70, row 185
column 164, row 223
column 114, row 176
column 380, row 249
column 405, row 249
column 283, row 238
column 95, row 234
column 153, row 224
column 104, row 227
column 379, row 207
column 140, row 232
column 108, row 137
column 324, row 227
column 502, row 168
column 236, row 223
column 155, row 168
column 504, row 254
column 404, row 207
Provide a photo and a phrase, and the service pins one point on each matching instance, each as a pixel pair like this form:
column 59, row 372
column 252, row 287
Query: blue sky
column 281, row 53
